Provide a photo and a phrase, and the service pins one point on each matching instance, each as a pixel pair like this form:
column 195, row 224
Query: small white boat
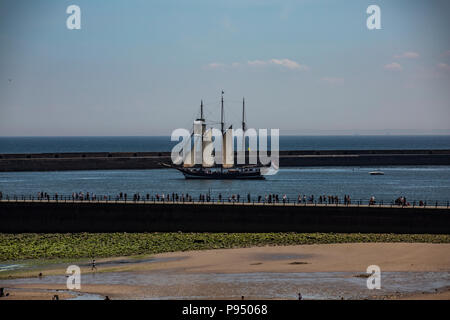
column 376, row 173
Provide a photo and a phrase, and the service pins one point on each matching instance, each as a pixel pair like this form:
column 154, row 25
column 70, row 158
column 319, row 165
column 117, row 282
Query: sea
column 427, row 183
column 163, row 143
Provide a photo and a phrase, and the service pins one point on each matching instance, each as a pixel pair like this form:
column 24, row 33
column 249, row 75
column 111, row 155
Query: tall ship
column 208, row 169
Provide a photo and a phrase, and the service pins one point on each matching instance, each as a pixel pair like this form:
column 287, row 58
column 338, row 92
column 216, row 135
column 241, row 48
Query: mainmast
column 221, row 116
column 203, row 125
column 243, row 114
column 221, row 128
column 198, row 133
column 243, row 125
column 201, row 110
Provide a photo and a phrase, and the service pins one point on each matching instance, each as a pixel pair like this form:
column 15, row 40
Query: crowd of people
column 207, row 197
column 401, row 201
column 86, row 196
column 267, row 198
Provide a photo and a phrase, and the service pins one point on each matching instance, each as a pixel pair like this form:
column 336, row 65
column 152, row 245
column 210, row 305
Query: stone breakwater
column 153, row 160
column 76, row 216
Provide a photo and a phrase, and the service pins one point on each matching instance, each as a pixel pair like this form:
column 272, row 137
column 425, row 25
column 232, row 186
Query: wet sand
column 34, row 293
column 439, row 294
column 322, row 271
column 313, row 258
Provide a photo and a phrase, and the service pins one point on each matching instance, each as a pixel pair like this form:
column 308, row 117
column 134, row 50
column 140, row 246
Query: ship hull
column 226, row 175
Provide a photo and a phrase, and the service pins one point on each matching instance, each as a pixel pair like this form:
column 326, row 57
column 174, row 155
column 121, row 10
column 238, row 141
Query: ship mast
column 203, row 129
column 221, row 129
column 243, row 114
column 221, row 115
column 201, row 110
column 243, row 125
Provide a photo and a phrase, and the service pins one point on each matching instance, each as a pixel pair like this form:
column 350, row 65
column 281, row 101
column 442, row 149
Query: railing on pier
column 151, row 199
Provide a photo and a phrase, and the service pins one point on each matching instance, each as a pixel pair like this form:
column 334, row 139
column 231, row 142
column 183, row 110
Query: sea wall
column 153, row 160
column 19, row 217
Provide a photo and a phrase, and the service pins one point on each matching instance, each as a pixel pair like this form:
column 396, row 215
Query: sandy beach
column 198, row 274
column 313, row 258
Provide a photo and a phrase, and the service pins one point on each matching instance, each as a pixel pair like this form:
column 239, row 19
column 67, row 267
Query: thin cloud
column 257, row 63
column 394, row 66
column 215, row 65
column 407, row 55
column 286, row 63
column 444, row 66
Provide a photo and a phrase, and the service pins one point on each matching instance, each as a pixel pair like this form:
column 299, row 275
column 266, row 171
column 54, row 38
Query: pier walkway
column 443, row 205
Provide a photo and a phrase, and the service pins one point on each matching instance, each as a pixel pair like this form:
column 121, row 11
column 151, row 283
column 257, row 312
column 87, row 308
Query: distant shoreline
column 152, row 160
column 64, row 144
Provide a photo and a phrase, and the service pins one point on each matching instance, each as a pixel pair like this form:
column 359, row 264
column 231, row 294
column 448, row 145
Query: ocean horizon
column 63, row 144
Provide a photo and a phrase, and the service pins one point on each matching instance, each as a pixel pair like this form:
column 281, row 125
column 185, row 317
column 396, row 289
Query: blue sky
column 141, row 67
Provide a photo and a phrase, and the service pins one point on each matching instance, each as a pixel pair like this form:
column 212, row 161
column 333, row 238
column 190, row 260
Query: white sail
column 194, row 155
column 189, row 158
column 227, row 149
column 198, row 137
column 208, row 159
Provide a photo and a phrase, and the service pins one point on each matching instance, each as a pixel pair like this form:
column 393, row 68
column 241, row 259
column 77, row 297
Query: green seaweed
column 26, row 246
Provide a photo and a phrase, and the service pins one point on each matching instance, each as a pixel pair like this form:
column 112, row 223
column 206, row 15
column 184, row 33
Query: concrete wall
column 109, row 217
column 152, row 160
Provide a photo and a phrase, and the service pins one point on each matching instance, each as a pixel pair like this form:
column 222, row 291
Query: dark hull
column 217, row 175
